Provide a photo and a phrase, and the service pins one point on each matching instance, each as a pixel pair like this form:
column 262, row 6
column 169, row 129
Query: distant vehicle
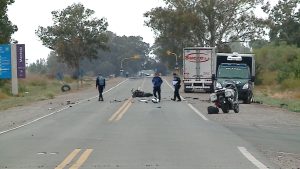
column 239, row 68
column 147, row 73
column 198, row 68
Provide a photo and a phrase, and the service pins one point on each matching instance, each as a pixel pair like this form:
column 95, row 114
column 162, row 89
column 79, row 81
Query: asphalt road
column 127, row 133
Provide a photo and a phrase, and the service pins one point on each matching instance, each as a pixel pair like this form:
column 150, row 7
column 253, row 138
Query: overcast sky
column 125, row 17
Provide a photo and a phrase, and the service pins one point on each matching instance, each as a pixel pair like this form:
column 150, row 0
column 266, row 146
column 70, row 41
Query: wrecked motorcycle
column 225, row 98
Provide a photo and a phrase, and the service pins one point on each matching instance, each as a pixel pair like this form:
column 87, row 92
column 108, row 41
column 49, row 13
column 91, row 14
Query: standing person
column 157, row 81
column 100, row 84
column 176, row 83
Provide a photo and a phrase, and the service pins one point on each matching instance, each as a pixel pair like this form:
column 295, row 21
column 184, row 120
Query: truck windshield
column 233, row 72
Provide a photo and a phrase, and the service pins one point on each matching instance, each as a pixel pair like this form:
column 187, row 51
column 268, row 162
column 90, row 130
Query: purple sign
column 21, row 63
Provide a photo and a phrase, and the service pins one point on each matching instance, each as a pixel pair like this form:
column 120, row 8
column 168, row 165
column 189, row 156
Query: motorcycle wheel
column 225, row 108
column 236, row 108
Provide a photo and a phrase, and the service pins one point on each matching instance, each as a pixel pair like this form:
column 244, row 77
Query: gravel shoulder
column 273, row 131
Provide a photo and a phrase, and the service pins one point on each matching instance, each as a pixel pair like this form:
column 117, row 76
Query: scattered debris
column 155, row 100
column 139, row 93
column 212, row 110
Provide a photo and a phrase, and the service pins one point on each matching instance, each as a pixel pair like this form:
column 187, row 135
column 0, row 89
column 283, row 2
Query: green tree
column 284, row 21
column 6, row 27
column 39, row 67
column 75, row 35
column 121, row 47
column 54, row 66
column 185, row 23
column 108, row 61
column 283, row 60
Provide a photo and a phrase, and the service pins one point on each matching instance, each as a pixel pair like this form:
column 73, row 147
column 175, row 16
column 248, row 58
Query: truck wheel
column 187, row 90
column 248, row 99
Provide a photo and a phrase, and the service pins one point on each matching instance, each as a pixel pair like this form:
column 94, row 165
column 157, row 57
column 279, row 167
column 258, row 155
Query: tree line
column 82, row 43
column 227, row 25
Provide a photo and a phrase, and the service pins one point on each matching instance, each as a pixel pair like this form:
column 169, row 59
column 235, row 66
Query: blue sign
column 5, row 61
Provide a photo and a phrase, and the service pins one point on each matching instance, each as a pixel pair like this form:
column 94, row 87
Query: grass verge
column 33, row 88
column 288, row 100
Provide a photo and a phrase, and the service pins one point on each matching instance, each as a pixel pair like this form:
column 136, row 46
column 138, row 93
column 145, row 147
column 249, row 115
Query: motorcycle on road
column 225, row 98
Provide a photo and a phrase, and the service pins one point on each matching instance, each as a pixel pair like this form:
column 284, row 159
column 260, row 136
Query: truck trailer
column 197, row 68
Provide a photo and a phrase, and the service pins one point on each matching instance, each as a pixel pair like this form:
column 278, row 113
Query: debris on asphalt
column 139, row 93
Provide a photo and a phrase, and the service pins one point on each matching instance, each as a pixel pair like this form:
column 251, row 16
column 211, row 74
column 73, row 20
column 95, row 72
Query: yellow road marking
column 120, row 112
column 123, row 112
column 82, row 159
column 68, row 159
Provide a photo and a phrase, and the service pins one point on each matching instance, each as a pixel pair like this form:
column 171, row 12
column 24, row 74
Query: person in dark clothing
column 176, row 83
column 100, row 84
column 157, row 81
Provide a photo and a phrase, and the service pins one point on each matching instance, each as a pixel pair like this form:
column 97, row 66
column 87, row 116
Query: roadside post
column 14, row 73
column 12, row 64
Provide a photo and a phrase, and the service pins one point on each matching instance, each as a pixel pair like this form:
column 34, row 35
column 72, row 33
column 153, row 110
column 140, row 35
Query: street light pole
column 172, row 53
column 121, row 71
column 133, row 57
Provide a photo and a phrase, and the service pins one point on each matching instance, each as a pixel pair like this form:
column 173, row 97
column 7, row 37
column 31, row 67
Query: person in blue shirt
column 157, row 81
column 100, row 84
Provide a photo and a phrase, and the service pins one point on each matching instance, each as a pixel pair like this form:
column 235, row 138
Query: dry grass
column 33, row 88
column 3, row 96
column 271, row 95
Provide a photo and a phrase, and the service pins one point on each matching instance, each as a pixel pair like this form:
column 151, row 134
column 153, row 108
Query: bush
column 268, row 78
column 290, row 84
column 6, row 89
column 50, row 96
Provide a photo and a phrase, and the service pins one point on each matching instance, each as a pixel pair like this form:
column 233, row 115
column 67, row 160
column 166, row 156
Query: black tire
column 187, row 90
column 236, row 108
column 225, row 108
column 248, row 99
column 212, row 110
column 65, row 88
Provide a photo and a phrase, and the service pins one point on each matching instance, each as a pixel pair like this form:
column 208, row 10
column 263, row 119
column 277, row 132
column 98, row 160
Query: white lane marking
column 251, row 158
column 64, row 108
column 105, row 91
column 169, row 84
column 142, row 86
column 26, row 124
column 198, row 112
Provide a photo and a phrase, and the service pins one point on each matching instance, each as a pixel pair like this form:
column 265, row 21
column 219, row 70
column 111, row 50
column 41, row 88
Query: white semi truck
column 198, row 68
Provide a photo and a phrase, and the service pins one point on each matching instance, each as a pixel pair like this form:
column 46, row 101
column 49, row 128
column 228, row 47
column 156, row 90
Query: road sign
column 5, row 61
column 21, row 65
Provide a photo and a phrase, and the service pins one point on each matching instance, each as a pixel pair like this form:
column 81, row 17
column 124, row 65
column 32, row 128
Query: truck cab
column 239, row 68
